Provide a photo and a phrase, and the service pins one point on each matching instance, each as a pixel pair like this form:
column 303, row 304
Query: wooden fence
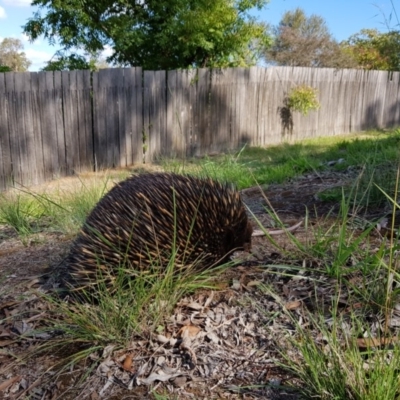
column 59, row 123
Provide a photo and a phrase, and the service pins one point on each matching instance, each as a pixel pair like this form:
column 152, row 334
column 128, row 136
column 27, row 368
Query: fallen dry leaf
column 365, row 343
column 292, row 305
column 253, row 283
column 4, row 343
column 127, row 365
column 6, row 384
column 188, row 331
column 9, row 303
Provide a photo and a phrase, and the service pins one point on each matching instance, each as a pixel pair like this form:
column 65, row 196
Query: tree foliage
column 4, row 68
column 154, row 34
column 306, row 42
column 62, row 61
column 12, row 55
column 374, row 50
column 69, row 62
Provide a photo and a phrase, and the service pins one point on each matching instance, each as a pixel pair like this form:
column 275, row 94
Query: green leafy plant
column 303, row 98
column 4, row 68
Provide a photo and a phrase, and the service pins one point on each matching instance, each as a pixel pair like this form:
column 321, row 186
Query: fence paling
column 61, row 123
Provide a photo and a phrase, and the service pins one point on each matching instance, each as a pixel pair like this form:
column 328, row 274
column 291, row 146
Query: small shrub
column 303, row 98
column 4, row 68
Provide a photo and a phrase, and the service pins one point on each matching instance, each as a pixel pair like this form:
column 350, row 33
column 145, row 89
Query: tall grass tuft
column 329, row 363
column 65, row 211
column 352, row 352
column 21, row 213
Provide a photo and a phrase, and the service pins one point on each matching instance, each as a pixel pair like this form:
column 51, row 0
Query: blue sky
column 343, row 17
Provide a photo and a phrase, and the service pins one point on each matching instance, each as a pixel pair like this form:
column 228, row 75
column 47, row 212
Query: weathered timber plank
column 155, row 114
column 47, row 125
column 99, row 120
column 28, row 151
column 392, row 108
column 73, row 118
column 236, row 105
column 220, row 111
column 124, row 141
column 110, row 83
column 59, row 123
column 191, row 144
column 149, row 112
column 177, row 114
column 134, row 115
column 20, row 139
column 37, row 127
column 185, row 81
column 161, row 95
column 69, row 124
column 5, row 150
column 14, row 127
column 202, row 126
column 127, row 109
column 84, row 118
column 172, row 112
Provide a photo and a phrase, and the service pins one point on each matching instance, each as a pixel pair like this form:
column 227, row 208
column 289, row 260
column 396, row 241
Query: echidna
column 140, row 222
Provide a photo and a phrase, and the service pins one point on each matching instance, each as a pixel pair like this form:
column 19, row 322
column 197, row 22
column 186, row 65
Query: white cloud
column 25, row 40
column 18, row 3
column 2, row 13
column 38, row 58
column 107, row 51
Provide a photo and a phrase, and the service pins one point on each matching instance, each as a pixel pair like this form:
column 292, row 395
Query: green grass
column 329, row 361
column 374, row 156
column 129, row 309
column 28, row 212
column 21, row 213
column 335, row 368
column 352, row 351
column 336, row 246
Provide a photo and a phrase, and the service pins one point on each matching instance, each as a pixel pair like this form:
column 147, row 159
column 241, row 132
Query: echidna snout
column 144, row 219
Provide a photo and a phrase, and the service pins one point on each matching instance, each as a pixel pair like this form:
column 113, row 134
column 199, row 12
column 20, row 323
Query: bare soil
column 234, row 351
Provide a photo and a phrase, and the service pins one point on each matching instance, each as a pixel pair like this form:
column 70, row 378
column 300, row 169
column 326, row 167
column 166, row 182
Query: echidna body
column 146, row 218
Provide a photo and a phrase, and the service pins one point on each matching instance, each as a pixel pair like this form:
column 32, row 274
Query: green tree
column 62, row 62
column 304, row 41
column 12, row 55
column 374, row 50
column 155, row 34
